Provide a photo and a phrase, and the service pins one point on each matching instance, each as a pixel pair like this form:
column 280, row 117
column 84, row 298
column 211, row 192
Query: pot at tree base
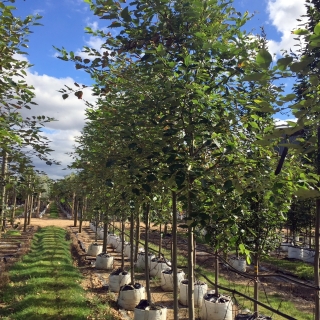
column 110, row 238
column 239, row 264
column 92, row 226
column 117, row 279
column 141, row 259
column 308, row 255
column 295, row 252
column 130, row 296
column 285, row 245
column 94, row 249
column 157, row 265
column 104, row 261
column 115, row 242
column 167, row 279
column 118, row 248
column 200, row 289
column 143, row 311
column 217, row 307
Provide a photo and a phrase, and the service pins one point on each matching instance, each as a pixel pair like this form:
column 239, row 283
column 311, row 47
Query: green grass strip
column 300, row 269
column 46, row 285
column 53, row 211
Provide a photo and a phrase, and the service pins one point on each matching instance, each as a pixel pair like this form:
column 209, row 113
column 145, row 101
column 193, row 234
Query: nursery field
column 275, row 292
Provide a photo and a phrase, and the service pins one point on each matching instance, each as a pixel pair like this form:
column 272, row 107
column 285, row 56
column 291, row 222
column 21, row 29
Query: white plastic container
column 217, row 308
column 110, row 238
column 130, row 296
column 239, row 264
column 141, row 259
column 158, row 265
column 308, row 255
column 295, row 252
column 159, row 313
column 116, row 281
column 104, row 261
column 118, row 248
column 284, row 246
column 200, row 289
column 100, row 233
column 94, row 249
column 167, row 279
column 115, row 242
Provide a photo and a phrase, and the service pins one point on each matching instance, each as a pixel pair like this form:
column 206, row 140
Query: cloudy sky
column 63, row 26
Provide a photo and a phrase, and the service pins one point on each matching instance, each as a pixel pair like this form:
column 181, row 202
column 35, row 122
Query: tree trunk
column 122, row 242
column 131, row 247
column 13, row 212
column 191, row 310
column 73, row 204
column 256, row 285
column 216, row 271
column 38, row 205
column 80, row 216
column 174, row 257
column 160, row 241
column 31, row 209
column 146, row 254
column 75, row 212
column 316, row 239
column 105, row 230
column 3, row 191
column 137, row 235
column 26, row 206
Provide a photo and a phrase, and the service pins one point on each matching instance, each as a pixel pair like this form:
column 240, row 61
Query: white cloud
column 94, row 43
column 69, row 113
column 283, row 15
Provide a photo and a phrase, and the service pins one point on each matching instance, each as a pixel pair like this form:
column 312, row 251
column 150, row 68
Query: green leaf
column 283, row 63
column 317, row 28
column 264, row 58
column 300, row 32
column 125, row 15
column 254, row 77
column 65, row 96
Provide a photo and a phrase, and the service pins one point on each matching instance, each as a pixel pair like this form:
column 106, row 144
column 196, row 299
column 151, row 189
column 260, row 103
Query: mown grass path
column 45, row 284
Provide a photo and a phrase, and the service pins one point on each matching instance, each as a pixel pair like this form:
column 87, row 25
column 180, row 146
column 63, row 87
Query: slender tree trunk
column 105, row 230
column 131, row 247
column 122, row 242
column 216, row 271
column 72, row 205
column 31, row 209
column 137, row 235
column 160, row 241
column 97, row 223
column 174, row 257
column 3, row 190
column 38, row 205
column 191, row 310
column 316, row 238
column 81, row 212
column 26, row 206
column 256, row 285
column 146, row 254
column 13, row 212
column 75, row 212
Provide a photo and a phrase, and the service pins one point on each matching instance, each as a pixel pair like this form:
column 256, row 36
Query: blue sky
column 63, row 26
